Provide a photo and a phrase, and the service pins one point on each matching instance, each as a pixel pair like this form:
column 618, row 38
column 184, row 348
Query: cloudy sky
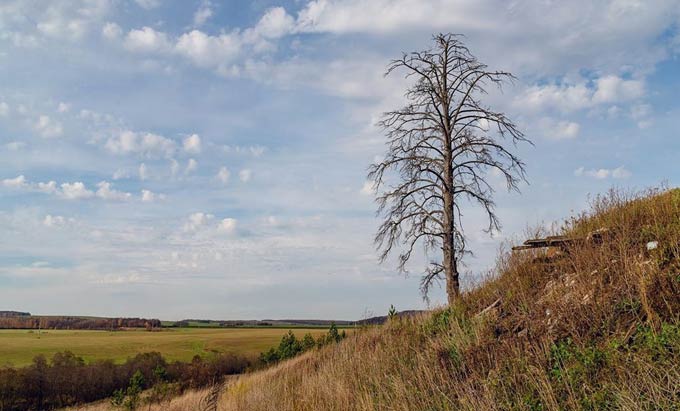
column 204, row 158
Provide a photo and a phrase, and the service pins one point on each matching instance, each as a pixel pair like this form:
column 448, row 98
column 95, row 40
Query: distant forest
column 17, row 320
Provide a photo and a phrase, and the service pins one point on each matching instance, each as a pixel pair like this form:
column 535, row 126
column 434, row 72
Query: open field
column 18, row 347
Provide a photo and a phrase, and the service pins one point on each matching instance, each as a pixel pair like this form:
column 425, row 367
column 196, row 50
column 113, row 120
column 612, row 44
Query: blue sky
column 180, row 159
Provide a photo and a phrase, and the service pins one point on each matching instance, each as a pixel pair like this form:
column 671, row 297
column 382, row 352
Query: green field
column 18, row 347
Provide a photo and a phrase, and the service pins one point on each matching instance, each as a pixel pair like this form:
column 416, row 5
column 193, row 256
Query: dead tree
column 441, row 148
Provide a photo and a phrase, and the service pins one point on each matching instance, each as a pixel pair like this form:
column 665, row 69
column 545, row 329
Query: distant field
column 18, row 347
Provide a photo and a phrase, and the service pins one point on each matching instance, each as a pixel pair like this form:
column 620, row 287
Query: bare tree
column 441, row 148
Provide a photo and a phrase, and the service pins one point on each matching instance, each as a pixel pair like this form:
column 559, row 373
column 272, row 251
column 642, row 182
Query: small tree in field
column 441, row 147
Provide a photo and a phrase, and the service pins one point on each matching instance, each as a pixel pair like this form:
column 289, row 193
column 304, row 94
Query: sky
column 207, row 159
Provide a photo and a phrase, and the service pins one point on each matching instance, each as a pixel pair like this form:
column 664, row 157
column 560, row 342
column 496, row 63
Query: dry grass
column 598, row 328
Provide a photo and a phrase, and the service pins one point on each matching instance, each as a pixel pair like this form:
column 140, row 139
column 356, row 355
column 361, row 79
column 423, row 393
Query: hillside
column 597, row 327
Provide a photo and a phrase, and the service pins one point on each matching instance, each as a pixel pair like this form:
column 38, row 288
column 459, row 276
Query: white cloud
column 48, row 128
column 192, row 144
column 203, row 13
column 603, row 173
column 150, row 197
column 209, row 51
column 104, row 191
column 48, row 188
column 565, row 98
column 245, row 175
column 146, row 40
column 609, row 89
column 275, row 23
column 192, row 165
column 227, row 225
column 111, row 31
column 197, row 220
column 565, row 130
column 146, row 144
column 17, row 182
column 223, row 175
column 621, row 172
column 75, row 191
column 641, row 113
column 56, row 221
column 614, row 89
column 4, row 109
column 148, row 4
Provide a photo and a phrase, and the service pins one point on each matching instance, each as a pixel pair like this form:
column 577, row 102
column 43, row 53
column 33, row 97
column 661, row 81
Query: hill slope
column 595, row 328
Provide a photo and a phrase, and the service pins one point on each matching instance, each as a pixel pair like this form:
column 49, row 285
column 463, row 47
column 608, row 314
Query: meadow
column 18, row 347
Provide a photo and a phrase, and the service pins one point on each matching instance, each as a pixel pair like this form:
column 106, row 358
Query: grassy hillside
column 598, row 328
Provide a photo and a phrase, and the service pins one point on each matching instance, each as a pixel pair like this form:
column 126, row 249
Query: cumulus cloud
column 192, row 165
column 275, row 23
column 203, row 13
column 4, row 109
column 69, row 191
column 559, row 130
column 227, row 225
column 75, row 191
column 147, row 40
column 20, row 182
column 145, row 144
column 111, row 31
column 48, row 128
column 197, row 220
column 106, row 192
column 245, row 175
column 223, row 175
column 56, row 221
column 149, row 196
column 17, row 182
column 603, row 173
column 208, row 51
column 610, row 89
column 192, row 144
column 614, row 89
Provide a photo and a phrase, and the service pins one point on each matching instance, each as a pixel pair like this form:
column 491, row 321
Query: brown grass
column 598, row 328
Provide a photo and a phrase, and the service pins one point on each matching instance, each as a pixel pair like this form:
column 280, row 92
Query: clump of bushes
column 67, row 380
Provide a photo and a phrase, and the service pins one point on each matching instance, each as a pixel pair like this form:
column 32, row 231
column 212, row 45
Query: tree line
column 76, row 323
